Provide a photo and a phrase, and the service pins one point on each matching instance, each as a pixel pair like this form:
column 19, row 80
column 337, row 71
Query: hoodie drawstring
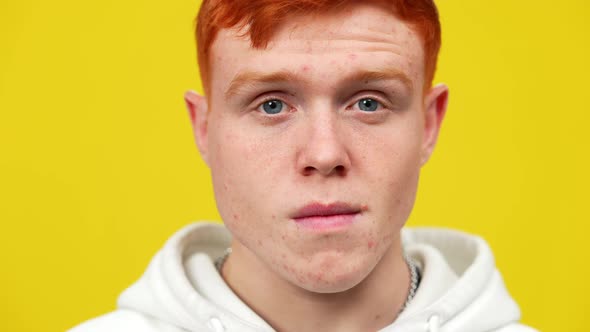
column 434, row 323
column 215, row 325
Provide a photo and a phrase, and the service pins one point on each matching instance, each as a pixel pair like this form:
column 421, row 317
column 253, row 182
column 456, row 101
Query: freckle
column 377, row 317
column 273, row 216
column 236, row 217
column 260, row 242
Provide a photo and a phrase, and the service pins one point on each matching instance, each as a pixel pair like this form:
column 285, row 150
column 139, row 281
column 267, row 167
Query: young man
column 316, row 120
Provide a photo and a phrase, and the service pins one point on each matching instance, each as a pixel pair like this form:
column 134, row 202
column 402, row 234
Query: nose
column 323, row 149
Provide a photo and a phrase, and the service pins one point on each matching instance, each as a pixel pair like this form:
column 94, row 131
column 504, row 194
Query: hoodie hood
column 461, row 290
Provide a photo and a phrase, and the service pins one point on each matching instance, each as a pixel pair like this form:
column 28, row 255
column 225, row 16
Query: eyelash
column 259, row 104
column 270, row 98
column 382, row 103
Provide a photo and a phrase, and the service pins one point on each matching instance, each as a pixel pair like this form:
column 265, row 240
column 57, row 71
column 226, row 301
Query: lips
column 325, row 217
column 326, row 210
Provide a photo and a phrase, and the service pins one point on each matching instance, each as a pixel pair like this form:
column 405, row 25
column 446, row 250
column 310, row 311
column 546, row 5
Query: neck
column 369, row 306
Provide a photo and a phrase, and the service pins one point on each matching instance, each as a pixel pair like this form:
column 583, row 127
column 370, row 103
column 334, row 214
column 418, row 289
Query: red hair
column 262, row 16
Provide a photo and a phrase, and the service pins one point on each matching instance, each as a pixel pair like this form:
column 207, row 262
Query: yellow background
column 98, row 166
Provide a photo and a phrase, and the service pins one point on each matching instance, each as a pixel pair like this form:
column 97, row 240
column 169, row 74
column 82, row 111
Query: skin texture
column 321, row 148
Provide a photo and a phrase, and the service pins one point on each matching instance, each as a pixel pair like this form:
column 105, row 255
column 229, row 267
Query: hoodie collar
column 461, row 289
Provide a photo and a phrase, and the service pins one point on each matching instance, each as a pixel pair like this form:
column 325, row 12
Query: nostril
column 337, row 170
column 308, row 170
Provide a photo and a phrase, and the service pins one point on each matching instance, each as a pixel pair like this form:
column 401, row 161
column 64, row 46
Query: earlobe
column 197, row 108
column 435, row 109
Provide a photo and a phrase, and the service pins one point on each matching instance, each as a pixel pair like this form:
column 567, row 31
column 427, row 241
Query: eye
column 368, row 105
column 273, row 106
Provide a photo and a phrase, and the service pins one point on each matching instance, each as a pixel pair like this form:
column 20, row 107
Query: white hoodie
column 460, row 291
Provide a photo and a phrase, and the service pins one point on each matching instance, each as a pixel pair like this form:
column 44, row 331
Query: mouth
column 320, row 217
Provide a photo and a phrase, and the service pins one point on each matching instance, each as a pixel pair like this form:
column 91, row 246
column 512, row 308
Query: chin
column 331, row 278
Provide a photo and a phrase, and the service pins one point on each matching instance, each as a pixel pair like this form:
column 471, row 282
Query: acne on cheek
column 319, row 276
column 300, row 278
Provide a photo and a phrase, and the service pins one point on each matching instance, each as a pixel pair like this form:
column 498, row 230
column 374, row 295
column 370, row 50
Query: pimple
column 317, row 277
column 305, row 68
column 300, row 278
column 371, row 244
column 352, row 56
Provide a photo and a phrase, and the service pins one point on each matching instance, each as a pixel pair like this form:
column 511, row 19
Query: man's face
column 315, row 143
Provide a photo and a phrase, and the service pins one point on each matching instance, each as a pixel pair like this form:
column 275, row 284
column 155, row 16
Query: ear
column 197, row 108
column 435, row 108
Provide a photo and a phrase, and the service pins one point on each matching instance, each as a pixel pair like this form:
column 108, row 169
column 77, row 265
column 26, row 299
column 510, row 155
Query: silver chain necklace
column 414, row 275
column 414, row 281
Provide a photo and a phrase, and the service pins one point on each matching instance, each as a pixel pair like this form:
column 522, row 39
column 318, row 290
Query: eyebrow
column 253, row 78
column 387, row 74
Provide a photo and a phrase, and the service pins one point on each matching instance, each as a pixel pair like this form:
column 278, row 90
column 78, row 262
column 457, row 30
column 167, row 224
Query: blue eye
column 273, row 106
column 368, row 105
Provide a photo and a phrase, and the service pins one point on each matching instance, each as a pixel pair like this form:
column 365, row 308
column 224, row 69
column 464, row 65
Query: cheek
column 243, row 171
column 395, row 169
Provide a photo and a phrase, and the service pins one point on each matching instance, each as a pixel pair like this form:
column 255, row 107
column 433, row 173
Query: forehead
column 360, row 37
